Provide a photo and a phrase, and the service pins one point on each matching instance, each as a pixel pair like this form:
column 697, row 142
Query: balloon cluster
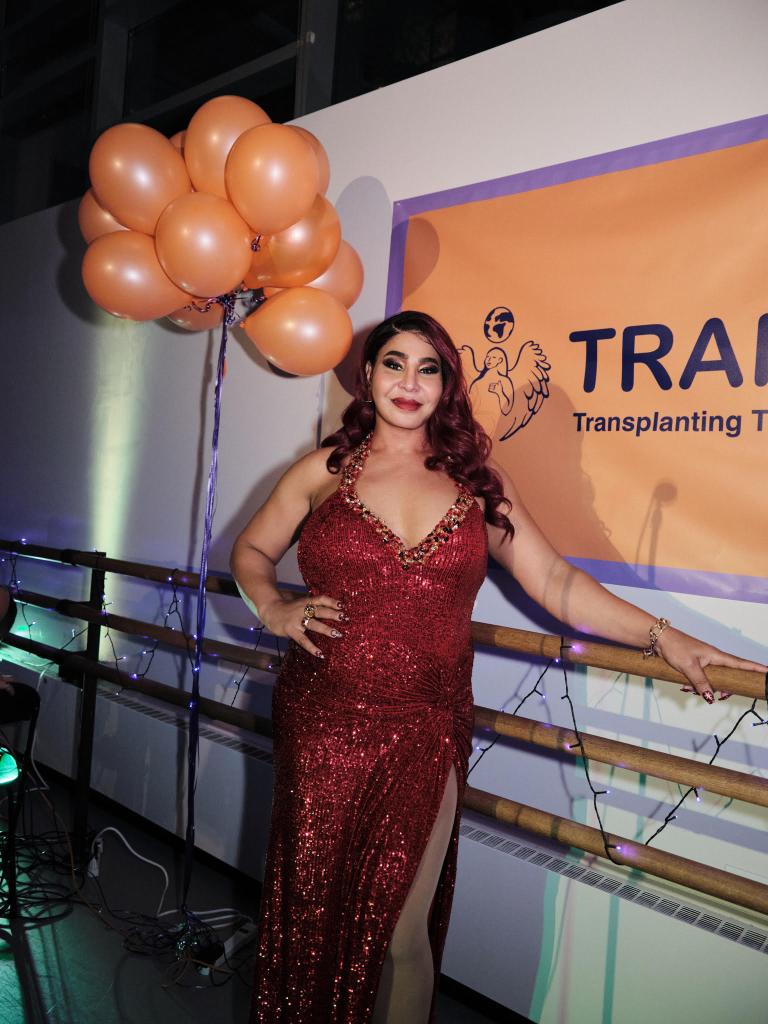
column 234, row 204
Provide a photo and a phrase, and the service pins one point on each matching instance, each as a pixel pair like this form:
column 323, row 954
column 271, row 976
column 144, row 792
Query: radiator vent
column 178, row 720
column 751, row 937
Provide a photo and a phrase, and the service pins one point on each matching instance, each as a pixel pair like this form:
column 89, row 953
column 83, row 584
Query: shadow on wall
column 69, row 278
column 421, row 256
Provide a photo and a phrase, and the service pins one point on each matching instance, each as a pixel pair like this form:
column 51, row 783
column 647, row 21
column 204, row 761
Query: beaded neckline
column 439, row 533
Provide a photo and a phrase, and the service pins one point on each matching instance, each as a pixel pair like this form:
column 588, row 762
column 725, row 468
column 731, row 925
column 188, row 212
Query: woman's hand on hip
column 289, row 618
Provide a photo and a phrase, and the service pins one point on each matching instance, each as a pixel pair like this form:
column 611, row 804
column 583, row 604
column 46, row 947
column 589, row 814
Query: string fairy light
column 672, row 814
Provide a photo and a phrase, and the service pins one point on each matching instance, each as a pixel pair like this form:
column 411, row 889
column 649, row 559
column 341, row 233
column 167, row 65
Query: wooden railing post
column 89, row 683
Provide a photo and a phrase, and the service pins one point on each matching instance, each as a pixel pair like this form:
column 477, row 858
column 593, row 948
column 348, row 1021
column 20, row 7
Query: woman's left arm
column 575, row 598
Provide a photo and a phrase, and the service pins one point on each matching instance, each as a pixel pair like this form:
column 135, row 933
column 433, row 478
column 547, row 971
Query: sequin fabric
column 363, row 744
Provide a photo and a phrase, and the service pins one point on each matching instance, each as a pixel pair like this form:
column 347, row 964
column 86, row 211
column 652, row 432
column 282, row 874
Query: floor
column 73, row 967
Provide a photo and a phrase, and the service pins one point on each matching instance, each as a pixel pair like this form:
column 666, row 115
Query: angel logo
column 498, row 393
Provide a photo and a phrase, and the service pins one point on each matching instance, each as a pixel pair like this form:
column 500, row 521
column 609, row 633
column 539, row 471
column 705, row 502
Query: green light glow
column 9, row 770
column 115, row 422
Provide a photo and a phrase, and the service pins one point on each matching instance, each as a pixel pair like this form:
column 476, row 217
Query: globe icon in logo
column 499, row 324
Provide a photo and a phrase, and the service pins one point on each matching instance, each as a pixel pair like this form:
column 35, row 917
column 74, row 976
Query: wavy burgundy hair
column 460, row 445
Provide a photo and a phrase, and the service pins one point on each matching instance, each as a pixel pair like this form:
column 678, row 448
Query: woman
column 372, row 710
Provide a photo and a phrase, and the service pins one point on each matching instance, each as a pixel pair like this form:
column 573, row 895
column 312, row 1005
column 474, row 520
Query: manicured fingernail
column 709, row 697
column 344, row 617
column 319, row 654
column 725, row 696
column 339, row 604
column 335, row 632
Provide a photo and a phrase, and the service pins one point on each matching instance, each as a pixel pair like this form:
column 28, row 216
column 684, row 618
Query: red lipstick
column 407, row 404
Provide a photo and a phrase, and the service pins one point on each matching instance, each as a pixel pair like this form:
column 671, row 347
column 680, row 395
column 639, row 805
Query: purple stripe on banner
column 681, row 581
column 691, row 144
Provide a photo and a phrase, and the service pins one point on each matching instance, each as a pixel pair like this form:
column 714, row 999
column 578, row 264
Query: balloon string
column 228, row 302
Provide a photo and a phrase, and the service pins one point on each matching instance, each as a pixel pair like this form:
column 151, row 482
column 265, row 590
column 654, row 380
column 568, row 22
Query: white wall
column 109, row 427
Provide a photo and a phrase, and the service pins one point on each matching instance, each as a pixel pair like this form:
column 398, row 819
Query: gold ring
column 309, row 610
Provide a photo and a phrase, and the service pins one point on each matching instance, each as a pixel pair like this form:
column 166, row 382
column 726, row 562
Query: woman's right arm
column 264, row 541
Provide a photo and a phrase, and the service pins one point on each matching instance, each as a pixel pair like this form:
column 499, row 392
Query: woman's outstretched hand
column 286, row 617
column 691, row 656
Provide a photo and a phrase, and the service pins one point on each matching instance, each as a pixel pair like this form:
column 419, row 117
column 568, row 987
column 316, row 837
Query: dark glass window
column 380, row 42
column 193, row 42
column 57, row 36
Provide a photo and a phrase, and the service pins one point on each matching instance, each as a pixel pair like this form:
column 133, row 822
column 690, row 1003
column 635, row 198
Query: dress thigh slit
column 354, row 1003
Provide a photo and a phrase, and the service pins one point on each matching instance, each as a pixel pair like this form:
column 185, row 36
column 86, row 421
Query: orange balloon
column 94, row 220
column 344, row 278
column 122, row 274
column 272, row 177
column 211, row 134
column 135, row 172
column 300, row 253
column 177, row 141
column 203, row 244
column 192, row 319
column 301, row 330
column 323, row 164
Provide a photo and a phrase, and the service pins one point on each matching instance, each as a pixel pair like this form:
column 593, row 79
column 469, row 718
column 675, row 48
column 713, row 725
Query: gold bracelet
column 655, row 632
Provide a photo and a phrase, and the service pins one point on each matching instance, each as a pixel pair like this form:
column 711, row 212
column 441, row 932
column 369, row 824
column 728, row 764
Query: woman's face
column 406, row 381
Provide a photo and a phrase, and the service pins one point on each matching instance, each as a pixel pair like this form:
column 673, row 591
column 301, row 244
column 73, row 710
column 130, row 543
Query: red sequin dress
column 363, row 744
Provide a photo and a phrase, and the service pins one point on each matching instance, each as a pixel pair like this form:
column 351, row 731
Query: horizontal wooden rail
column 613, row 658
column 74, row 663
column 690, row 873
column 137, row 570
column 149, row 631
column 670, row 767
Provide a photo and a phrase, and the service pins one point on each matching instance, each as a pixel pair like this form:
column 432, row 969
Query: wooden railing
column 82, row 668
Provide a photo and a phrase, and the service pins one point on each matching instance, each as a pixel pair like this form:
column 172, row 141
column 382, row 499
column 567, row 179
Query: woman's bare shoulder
column 313, row 470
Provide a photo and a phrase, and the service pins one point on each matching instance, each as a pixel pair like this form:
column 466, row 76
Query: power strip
column 245, row 933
